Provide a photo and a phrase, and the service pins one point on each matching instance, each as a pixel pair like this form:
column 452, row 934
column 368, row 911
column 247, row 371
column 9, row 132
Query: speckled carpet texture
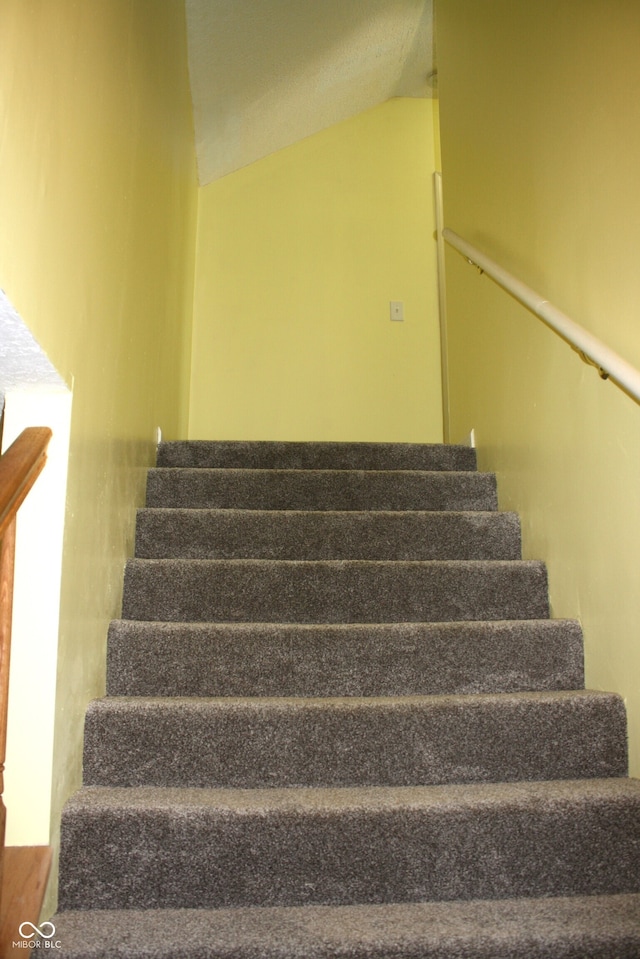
column 341, row 724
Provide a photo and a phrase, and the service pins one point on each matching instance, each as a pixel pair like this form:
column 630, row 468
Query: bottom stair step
column 593, row 927
column 208, row 848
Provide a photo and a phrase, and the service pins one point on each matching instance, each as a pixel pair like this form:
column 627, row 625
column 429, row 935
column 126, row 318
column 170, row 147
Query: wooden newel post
column 7, row 555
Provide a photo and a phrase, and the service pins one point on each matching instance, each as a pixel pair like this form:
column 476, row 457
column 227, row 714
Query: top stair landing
column 260, row 454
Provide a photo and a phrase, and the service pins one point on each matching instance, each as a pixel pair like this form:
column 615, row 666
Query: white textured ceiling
column 266, row 73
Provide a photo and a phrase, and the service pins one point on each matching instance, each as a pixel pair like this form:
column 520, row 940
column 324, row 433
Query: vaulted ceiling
column 266, row 73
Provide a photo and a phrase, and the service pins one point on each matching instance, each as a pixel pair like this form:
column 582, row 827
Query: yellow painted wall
column 540, row 133
column 97, row 237
column 298, row 257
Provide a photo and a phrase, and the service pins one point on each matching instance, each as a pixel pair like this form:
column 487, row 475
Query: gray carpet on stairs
column 591, row 927
column 333, row 591
column 153, row 847
column 377, row 659
column 320, row 490
column 316, row 456
column 251, row 743
column 337, row 703
column 295, row 534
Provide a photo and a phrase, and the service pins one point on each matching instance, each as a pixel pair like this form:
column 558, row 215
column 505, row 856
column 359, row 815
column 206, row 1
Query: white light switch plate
column 396, row 311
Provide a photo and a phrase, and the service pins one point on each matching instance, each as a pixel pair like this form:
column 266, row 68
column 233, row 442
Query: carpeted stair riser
column 159, row 848
column 314, row 456
column 239, row 534
column 320, row 490
column 253, row 743
column 579, row 927
column 392, row 659
column 353, row 591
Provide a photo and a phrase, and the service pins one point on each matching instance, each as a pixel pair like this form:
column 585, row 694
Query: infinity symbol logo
column 40, row 931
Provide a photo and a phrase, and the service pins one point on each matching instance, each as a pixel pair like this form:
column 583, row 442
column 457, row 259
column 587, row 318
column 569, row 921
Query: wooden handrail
column 19, row 468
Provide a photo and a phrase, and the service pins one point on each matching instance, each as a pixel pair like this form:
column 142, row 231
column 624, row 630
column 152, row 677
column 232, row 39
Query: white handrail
column 438, row 200
column 592, row 350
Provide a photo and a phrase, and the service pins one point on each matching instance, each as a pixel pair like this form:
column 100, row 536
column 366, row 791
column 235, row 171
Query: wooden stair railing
column 20, row 466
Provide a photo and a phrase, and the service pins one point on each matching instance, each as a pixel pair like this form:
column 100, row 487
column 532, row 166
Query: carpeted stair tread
column 251, row 742
column 165, row 848
column 343, row 591
column 294, row 534
column 298, row 659
column 320, row 489
column 291, row 455
column 577, row 927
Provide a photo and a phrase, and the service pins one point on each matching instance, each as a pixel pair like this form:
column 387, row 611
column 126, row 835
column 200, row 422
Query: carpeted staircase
column 340, row 723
